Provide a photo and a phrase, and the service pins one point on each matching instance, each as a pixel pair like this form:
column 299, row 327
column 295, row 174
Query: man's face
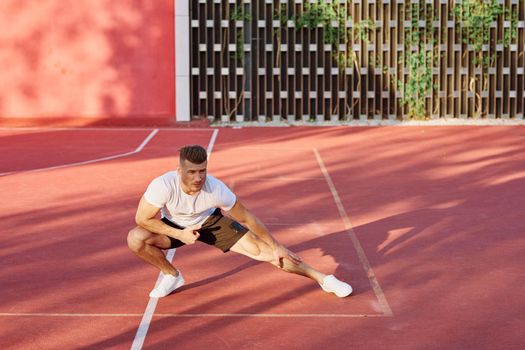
column 192, row 176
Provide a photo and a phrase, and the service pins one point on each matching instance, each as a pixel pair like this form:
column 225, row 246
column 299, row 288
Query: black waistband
column 171, row 223
column 213, row 216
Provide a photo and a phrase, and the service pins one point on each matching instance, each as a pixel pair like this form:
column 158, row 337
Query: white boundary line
column 94, row 128
column 278, row 148
column 120, row 155
column 387, row 311
column 142, row 331
column 283, row 178
column 42, row 314
column 140, row 336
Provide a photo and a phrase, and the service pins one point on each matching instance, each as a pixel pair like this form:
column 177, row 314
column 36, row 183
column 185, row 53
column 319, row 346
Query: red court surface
column 426, row 223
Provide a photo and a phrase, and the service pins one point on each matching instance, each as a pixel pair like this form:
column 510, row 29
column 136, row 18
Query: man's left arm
column 244, row 216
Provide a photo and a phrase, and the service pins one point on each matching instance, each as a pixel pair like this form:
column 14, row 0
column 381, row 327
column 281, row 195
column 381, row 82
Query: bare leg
column 148, row 246
column 303, row 269
column 254, row 248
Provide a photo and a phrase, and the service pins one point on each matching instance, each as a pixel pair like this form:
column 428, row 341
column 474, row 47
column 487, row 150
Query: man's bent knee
column 136, row 239
column 139, row 237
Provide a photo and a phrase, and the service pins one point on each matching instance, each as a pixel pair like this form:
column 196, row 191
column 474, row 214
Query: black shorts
column 218, row 230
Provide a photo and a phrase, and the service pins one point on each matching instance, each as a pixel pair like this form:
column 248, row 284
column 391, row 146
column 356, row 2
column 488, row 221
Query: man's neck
column 186, row 190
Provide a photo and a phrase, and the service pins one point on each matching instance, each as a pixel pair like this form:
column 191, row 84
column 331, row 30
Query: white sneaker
column 167, row 284
column 333, row 285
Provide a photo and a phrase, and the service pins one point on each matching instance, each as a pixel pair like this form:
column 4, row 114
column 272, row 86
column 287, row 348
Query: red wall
column 87, row 60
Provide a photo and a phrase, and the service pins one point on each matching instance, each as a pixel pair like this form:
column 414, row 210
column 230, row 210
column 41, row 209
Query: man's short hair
column 193, row 153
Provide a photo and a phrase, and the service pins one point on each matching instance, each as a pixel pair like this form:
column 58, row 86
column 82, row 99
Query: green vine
column 325, row 14
column 238, row 14
column 364, row 29
column 332, row 18
column 280, row 14
column 418, row 60
column 419, row 83
column 476, row 17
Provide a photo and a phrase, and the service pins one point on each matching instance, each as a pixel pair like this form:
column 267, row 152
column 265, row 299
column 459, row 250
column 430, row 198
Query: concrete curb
column 360, row 123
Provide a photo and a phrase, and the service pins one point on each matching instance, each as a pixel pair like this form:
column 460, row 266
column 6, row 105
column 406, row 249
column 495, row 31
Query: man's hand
column 280, row 253
column 189, row 235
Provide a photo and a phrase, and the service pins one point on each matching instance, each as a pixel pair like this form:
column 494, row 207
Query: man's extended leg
column 251, row 246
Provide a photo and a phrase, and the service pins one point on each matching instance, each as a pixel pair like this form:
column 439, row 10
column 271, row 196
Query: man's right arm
column 146, row 217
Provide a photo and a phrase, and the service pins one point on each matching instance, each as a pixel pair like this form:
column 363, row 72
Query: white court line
column 120, row 155
column 280, row 148
column 140, row 336
column 152, row 304
column 67, row 314
column 286, row 178
column 102, row 128
column 43, row 314
column 387, row 311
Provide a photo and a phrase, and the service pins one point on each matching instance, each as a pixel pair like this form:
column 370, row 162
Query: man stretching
column 190, row 202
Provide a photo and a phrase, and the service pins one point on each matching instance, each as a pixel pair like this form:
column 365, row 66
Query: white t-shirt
column 183, row 209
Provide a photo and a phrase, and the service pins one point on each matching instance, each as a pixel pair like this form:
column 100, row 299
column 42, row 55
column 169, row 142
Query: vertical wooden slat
column 520, row 90
column 457, row 63
column 320, row 59
column 450, row 65
column 513, row 59
column 392, row 63
column 289, row 100
column 268, row 39
column 506, row 77
column 442, row 36
column 194, row 87
column 375, row 91
column 499, row 69
column 221, row 80
column 257, row 49
column 209, row 59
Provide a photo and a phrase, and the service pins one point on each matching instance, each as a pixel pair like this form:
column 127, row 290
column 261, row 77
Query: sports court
column 425, row 222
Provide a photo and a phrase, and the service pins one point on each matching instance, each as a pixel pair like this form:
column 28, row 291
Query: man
column 190, row 202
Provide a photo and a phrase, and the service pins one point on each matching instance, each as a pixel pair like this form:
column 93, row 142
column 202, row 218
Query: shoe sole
column 339, row 295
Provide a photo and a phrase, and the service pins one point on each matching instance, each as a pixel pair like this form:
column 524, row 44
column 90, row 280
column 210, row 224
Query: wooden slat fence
column 268, row 61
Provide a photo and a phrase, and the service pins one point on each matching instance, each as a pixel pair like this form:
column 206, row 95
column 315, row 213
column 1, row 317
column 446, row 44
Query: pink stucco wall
column 87, row 59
